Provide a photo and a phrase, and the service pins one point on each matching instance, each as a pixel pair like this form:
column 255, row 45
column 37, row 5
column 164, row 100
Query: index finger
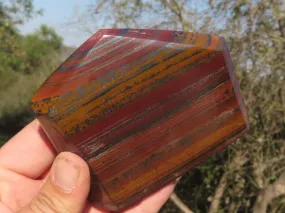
column 28, row 153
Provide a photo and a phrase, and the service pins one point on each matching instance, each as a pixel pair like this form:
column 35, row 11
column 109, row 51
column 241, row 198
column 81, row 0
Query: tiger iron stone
column 142, row 107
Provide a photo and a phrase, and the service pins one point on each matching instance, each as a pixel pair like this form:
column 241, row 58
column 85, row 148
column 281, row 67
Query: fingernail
column 66, row 174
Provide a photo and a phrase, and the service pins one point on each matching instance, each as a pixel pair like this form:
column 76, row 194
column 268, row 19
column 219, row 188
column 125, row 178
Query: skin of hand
column 34, row 180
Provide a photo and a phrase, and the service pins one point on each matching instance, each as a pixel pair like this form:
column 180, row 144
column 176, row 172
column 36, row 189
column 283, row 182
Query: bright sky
column 57, row 14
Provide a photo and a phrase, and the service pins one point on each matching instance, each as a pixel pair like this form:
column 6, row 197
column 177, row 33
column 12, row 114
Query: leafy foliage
column 25, row 63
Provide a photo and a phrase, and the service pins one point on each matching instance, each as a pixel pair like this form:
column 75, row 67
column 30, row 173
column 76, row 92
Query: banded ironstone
column 142, row 107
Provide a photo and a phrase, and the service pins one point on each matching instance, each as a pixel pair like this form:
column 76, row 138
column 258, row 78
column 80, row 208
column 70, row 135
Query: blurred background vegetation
column 249, row 176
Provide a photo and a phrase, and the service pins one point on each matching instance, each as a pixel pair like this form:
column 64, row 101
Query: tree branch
column 82, row 23
column 177, row 9
column 176, row 200
column 237, row 162
column 214, row 207
column 269, row 193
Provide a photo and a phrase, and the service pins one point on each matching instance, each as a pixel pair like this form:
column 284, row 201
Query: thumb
column 65, row 190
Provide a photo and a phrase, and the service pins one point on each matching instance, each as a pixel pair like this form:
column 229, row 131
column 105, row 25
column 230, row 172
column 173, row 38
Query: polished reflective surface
column 142, row 107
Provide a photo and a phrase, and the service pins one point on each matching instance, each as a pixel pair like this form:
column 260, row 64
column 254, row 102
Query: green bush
column 25, row 62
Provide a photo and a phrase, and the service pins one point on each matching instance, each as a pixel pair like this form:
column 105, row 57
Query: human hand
column 34, row 180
